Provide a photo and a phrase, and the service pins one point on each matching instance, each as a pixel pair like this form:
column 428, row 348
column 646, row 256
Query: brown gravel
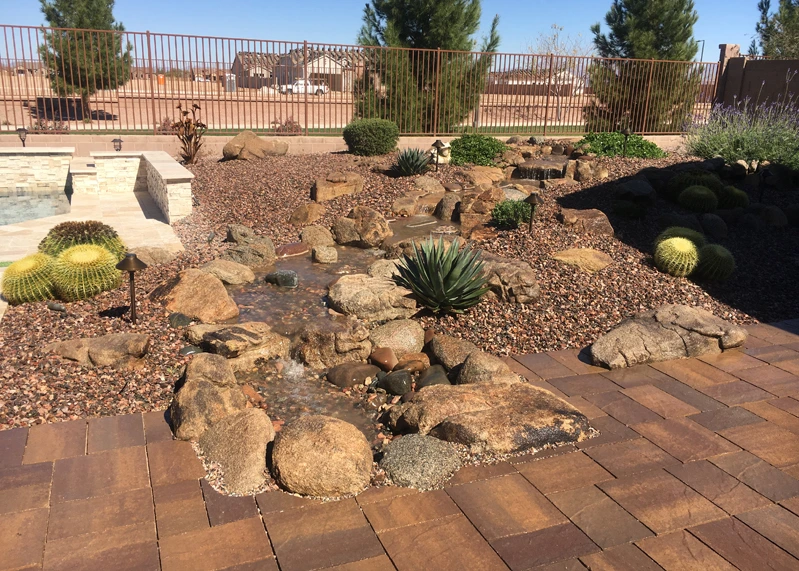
column 573, row 310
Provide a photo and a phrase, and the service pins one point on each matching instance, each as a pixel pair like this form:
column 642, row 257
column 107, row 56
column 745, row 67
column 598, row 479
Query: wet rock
column 435, row 375
column 247, row 146
column 237, row 443
column 481, row 367
column 322, row 456
column 325, row 345
column 511, row 280
column 350, row 374
column 419, row 461
column 397, row 382
column 586, row 259
column 384, row 269
column 190, row 350
column 283, row 278
column 313, row 236
column 591, row 221
column 499, row 418
column 405, row 206
column 250, row 249
column 514, row 194
column 669, row 332
column 234, row 340
column 177, row 320
column 307, row 214
column 414, row 362
column 371, row 299
column 402, row 336
column 118, row 350
column 384, row 358
column 291, row 250
column 197, row 294
column 714, row 226
column 451, row 351
column 324, row 255
column 363, row 227
column 336, row 184
column 428, row 184
column 229, row 272
column 447, row 208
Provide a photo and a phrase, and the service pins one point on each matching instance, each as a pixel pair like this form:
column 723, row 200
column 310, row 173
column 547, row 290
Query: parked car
column 303, row 85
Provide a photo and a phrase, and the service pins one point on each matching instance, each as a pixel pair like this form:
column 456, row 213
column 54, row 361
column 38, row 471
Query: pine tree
column 645, row 96
column 83, row 62
column 778, row 33
column 429, row 91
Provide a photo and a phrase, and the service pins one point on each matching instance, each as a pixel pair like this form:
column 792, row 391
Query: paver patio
column 696, row 467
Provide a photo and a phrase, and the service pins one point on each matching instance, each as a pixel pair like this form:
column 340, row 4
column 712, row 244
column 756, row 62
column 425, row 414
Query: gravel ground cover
column 573, row 310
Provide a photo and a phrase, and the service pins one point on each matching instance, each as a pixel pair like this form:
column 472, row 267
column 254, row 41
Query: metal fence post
column 152, row 86
column 549, row 89
column 305, row 78
column 648, row 94
column 437, row 92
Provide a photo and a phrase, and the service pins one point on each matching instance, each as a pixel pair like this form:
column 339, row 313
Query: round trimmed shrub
column 716, row 263
column 68, row 234
column 28, row 279
column 83, row 271
column 370, row 137
column 679, row 232
column 699, row 199
column 732, row 197
column 677, row 257
column 689, row 178
column 511, row 213
column 476, row 149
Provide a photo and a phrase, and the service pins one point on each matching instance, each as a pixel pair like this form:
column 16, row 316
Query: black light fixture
column 117, row 144
column 22, row 132
column 626, row 132
column 131, row 264
column 438, row 146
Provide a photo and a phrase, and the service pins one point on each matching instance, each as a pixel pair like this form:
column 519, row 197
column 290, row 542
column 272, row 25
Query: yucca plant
column 445, row 279
column 412, row 161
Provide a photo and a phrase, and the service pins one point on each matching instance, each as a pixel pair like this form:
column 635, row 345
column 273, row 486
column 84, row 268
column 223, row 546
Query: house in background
column 255, row 70
column 337, row 68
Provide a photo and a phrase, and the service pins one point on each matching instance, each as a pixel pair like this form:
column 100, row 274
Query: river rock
column 234, row 340
column 336, row 184
column 350, row 374
column 403, row 336
column 247, row 146
column 324, row 255
column 451, row 351
column 322, row 456
column 237, row 443
column 397, row 382
column 384, row 358
column 591, row 221
column 325, row 345
column 117, row 350
column 481, row 367
column 229, row 272
column 669, row 332
column 291, row 250
column 499, row 418
column 586, row 259
column 414, row 362
column 314, row 236
column 283, row 278
column 307, row 214
column 435, row 375
column 199, row 295
column 419, row 461
column 371, row 299
column 363, row 227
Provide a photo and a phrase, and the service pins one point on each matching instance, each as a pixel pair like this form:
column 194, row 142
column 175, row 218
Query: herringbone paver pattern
column 695, row 467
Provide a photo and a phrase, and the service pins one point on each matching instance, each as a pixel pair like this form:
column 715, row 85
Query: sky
column 338, row 21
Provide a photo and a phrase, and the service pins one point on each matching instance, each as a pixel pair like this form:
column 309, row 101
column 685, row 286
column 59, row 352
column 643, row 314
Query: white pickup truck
column 304, row 85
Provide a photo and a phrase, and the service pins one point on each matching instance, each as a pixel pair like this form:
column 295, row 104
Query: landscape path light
column 438, row 146
column 22, row 133
column 626, row 132
column 131, row 264
column 117, row 144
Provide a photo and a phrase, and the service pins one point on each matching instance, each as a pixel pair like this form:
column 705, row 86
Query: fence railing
column 65, row 80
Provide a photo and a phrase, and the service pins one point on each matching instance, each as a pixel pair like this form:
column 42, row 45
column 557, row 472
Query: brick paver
column 695, row 467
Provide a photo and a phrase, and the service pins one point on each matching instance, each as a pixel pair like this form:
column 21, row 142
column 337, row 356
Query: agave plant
column 411, row 162
column 445, row 279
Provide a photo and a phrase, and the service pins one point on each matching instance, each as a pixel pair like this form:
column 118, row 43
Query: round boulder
column 419, row 461
column 403, row 336
column 322, row 456
column 481, row 367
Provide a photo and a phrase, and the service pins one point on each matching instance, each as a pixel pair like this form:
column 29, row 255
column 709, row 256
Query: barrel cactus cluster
column 682, row 252
column 76, row 260
column 698, row 199
column 689, row 178
column 732, row 197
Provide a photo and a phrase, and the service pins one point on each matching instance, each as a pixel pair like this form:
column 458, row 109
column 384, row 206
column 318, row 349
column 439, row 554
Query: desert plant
column 190, row 131
column 287, row 127
column 28, row 279
column 165, row 127
column 612, row 145
column 83, row 271
column 677, row 256
column 699, row 199
column 412, row 161
column 68, row 234
column 371, row 136
column 511, row 213
column 476, row 149
column 445, row 278
column 692, row 177
column 716, row 263
column 732, row 197
column 630, row 209
column 679, row 232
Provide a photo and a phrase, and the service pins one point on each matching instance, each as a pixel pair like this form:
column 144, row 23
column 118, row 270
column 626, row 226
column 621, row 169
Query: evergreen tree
column 429, row 91
column 778, row 33
column 645, row 96
column 83, row 62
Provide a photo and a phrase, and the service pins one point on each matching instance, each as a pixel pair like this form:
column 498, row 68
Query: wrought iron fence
column 65, row 80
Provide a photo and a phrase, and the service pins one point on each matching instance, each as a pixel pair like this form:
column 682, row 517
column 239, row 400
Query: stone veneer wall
column 169, row 183
column 33, row 183
column 120, row 172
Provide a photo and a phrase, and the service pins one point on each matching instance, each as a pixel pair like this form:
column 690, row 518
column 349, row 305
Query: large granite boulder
column 208, row 393
column 591, row 221
column 482, row 367
column 451, row 351
column 419, row 461
column 118, row 350
column 363, row 227
column 403, row 336
column 511, row 280
column 499, row 418
column 371, row 299
column 448, row 208
column 322, row 456
column 198, row 295
column 247, row 146
column 237, row 443
column 669, row 332
column 385, row 269
column 229, row 272
column 336, row 184
column 325, row 345
column 232, row 341
column 586, row 259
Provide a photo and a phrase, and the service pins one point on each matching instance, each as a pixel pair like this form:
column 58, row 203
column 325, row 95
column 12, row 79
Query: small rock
column 307, row 214
column 350, row 374
column 586, row 259
column 481, row 367
column 291, row 250
column 397, row 382
column 283, row 278
column 401, row 335
column 435, row 375
column 409, row 358
column 384, row 358
column 324, row 255
column 55, row 306
column 421, row 462
column 451, row 351
column 313, row 236
column 177, row 319
column 190, row 350
column 428, row 184
column 229, row 272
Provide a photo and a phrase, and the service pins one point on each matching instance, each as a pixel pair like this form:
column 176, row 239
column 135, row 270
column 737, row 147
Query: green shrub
column 445, row 279
column 716, row 263
column 28, row 279
column 699, row 199
column 612, row 145
column 476, row 149
column 677, row 257
column 371, row 136
column 83, row 271
column 692, row 177
column 679, row 232
column 412, row 161
column 731, row 197
column 68, row 234
column 511, row 213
